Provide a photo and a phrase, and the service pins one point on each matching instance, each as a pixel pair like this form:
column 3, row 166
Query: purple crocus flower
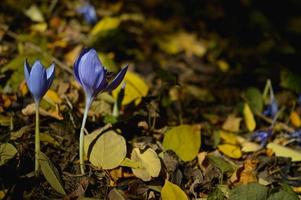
column 262, row 137
column 38, row 79
column 271, row 109
column 93, row 77
column 89, row 13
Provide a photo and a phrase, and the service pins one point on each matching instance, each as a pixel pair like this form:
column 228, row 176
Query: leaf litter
column 187, row 122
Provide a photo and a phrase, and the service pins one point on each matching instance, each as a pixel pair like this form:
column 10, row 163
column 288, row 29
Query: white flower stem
column 37, row 137
column 81, row 136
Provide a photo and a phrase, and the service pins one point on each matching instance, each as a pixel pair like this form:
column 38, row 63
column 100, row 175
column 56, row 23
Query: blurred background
column 209, row 43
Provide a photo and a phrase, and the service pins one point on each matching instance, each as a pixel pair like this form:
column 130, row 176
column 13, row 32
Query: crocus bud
column 93, row 77
column 38, row 79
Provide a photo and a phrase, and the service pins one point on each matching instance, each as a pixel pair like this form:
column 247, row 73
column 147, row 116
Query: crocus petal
column 90, row 71
column 76, row 65
column 38, row 81
column 50, row 75
column 118, row 79
column 26, row 71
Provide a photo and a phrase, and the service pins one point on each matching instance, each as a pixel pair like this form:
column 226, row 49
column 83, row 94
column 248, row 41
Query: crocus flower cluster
column 38, row 80
column 88, row 71
column 94, row 78
column 89, row 13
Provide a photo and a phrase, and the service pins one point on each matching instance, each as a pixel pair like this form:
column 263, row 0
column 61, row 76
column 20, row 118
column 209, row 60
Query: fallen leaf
column 248, row 174
column 295, row 119
column 5, row 120
column 171, row 191
column 150, row 162
column 135, row 89
column 107, row 150
column 254, row 99
column 182, row 41
column 220, row 163
column 184, row 140
column 7, row 152
column 232, row 123
column 228, row 138
column 44, row 137
column 34, row 13
column 249, row 118
column 30, row 110
column 247, row 146
column 230, row 150
column 283, row 151
column 51, row 173
column 105, row 24
column 223, row 65
column 52, row 97
column 249, row 192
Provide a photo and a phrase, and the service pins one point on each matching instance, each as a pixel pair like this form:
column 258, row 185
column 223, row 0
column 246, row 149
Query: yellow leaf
column 7, row 152
column 249, row 118
column 232, row 123
column 283, row 151
column 150, row 163
column 107, row 23
column 71, row 56
column 230, row 150
column 223, row 65
column 39, row 27
column 184, row 140
column 295, row 119
column 23, row 88
column 52, row 97
column 34, row 13
column 107, row 151
column 2, row 194
column 247, row 146
column 171, row 191
column 135, row 89
column 182, row 41
column 228, row 138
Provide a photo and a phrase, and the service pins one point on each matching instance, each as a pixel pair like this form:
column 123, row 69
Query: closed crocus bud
column 93, row 77
column 38, row 79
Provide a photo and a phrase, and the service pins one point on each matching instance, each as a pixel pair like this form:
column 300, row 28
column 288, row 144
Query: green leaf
column 254, row 99
column 252, row 191
column 171, row 191
column 184, row 140
column 107, row 150
column 220, row 193
column 291, row 81
column 283, row 195
column 220, row 163
column 51, row 174
column 7, row 152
